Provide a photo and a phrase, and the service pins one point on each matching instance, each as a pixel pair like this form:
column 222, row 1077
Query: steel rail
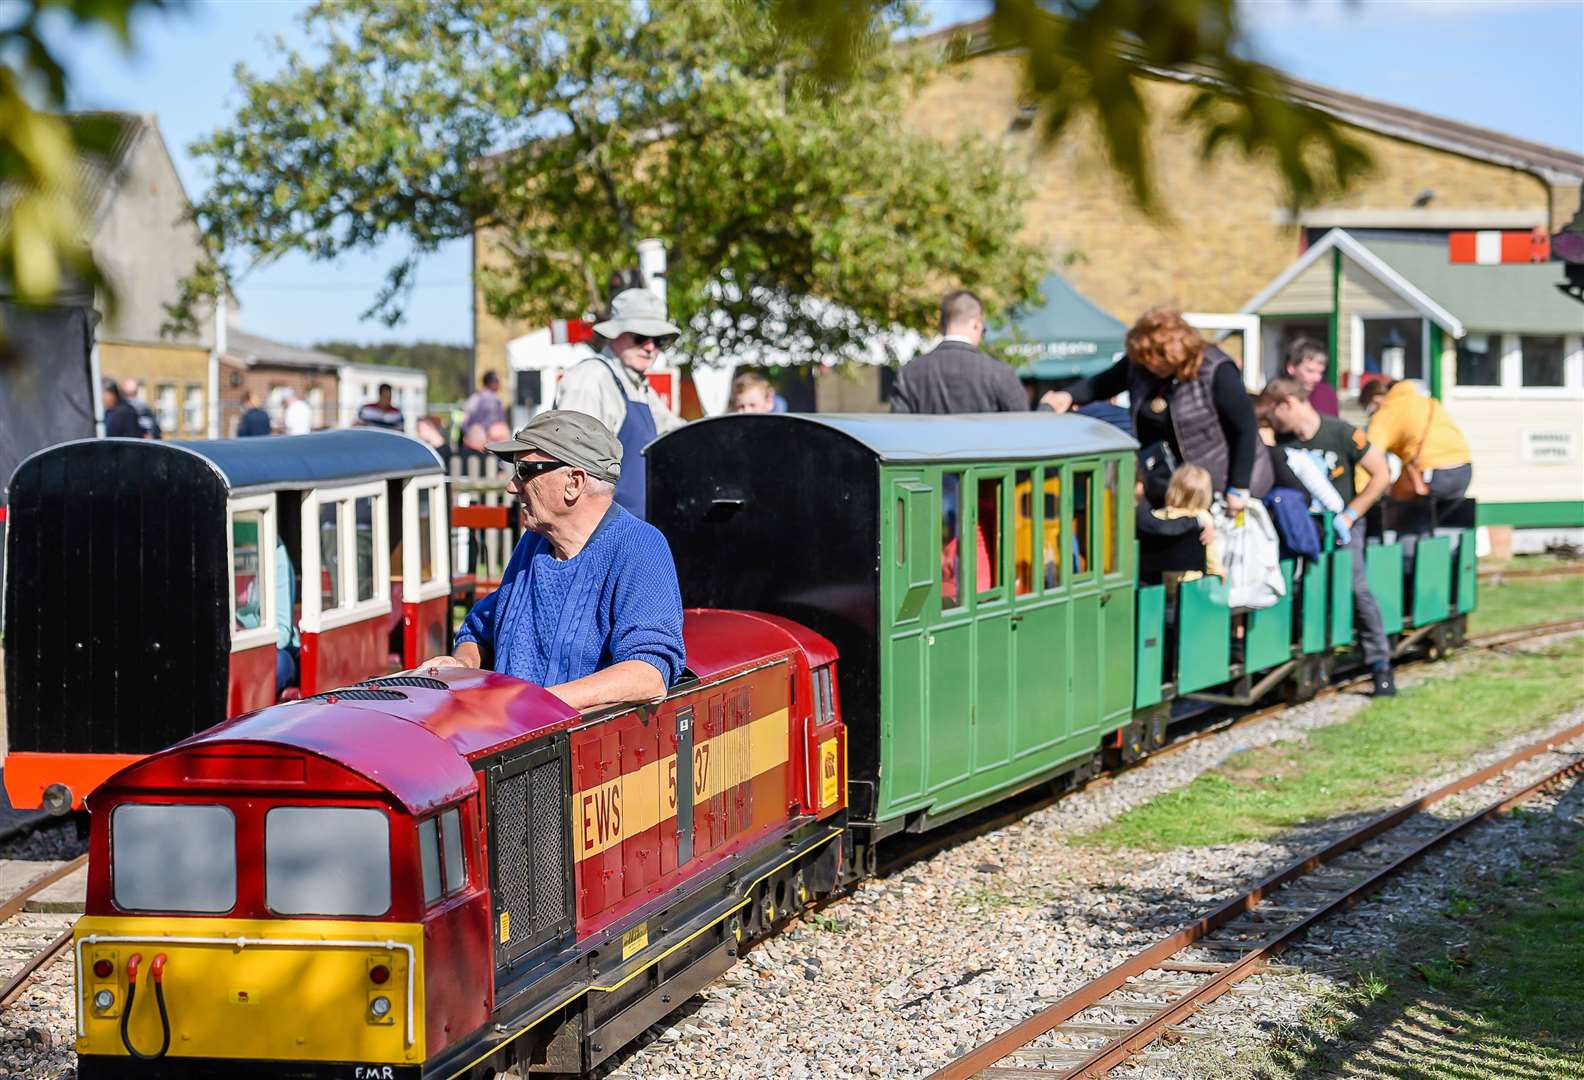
column 1085, row 997
column 13, row 986
column 38, row 885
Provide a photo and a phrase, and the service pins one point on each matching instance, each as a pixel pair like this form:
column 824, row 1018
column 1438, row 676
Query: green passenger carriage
column 978, row 576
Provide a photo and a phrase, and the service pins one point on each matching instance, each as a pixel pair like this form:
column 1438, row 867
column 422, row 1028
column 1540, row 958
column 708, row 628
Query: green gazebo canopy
column 1064, row 337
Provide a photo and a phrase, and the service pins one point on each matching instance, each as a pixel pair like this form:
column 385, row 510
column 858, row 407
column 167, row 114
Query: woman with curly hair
column 1187, row 396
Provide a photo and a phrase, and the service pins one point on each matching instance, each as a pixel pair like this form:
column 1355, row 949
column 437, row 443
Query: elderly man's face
column 754, row 399
column 1309, row 371
column 541, row 498
column 637, row 351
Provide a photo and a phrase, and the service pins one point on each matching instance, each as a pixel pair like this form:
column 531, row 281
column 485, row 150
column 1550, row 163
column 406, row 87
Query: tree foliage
column 449, row 367
column 1089, row 57
column 797, row 210
column 41, row 218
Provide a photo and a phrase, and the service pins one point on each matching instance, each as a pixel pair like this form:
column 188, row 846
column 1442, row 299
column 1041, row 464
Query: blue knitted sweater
column 553, row 620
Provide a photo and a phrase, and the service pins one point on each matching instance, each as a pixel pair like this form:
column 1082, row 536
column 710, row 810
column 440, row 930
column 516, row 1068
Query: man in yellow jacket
column 1418, row 430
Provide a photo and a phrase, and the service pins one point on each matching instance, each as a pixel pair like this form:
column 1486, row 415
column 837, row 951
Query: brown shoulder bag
column 1410, row 483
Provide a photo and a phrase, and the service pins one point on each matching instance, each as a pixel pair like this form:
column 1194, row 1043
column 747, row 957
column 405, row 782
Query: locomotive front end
column 197, row 997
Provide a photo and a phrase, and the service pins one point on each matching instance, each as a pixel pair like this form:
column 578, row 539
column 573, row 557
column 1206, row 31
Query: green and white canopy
column 1064, row 337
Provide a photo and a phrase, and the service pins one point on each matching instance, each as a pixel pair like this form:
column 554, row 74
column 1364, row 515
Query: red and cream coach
column 451, row 872
column 142, row 588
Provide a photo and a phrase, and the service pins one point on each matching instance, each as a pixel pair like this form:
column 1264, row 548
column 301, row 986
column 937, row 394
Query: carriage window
column 988, row 552
column 426, row 568
column 429, row 853
column 1083, row 489
column 951, row 560
column 1109, row 522
column 455, row 864
column 363, row 510
column 327, row 860
column 247, row 571
column 173, row 858
column 1023, row 532
column 1051, row 527
column 330, row 555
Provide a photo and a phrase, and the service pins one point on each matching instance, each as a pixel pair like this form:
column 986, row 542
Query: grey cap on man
column 636, row 311
column 576, row 438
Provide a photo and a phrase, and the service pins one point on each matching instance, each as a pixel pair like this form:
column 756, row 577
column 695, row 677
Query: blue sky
column 1516, row 66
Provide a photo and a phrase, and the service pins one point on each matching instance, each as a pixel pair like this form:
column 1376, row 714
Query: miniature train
column 447, row 874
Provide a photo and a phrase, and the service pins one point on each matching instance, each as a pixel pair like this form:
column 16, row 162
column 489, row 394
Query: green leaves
column 1089, row 61
column 565, row 132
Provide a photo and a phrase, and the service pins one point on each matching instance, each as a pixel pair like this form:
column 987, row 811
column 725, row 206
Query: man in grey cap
column 612, row 386
column 588, row 606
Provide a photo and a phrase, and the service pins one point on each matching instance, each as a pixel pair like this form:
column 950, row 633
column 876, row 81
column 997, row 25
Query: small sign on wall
column 1550, row 447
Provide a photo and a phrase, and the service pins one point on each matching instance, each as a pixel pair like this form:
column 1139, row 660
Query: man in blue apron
column 611, row 386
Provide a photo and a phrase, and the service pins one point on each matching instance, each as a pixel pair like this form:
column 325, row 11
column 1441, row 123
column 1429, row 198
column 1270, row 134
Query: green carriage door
column 1115, row 542
column 992, row 692
column 1087, row 593
column 911, row 529
column 948, row 637
column 1042, row 667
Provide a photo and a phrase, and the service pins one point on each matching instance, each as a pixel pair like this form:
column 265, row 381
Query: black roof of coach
column 908, row 438
column 325, row 457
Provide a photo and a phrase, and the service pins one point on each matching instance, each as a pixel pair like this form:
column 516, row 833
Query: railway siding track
column 1116, row 1016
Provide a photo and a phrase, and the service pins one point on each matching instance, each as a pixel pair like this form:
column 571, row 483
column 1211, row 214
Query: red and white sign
column 1492, row 246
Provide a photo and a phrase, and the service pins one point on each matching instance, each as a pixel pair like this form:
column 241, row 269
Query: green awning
column 1063, row 337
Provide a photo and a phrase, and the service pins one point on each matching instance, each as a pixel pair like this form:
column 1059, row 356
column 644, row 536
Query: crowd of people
column 1211, row 458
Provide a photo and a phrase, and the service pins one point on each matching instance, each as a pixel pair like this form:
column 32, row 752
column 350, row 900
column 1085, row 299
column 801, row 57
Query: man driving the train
column 588, row 606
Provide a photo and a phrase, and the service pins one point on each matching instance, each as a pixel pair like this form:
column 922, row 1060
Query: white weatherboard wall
column 1498, row 433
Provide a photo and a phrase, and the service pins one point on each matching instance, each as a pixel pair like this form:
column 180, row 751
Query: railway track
column 1150, row 993
column 1019, row 807
column 38, row 941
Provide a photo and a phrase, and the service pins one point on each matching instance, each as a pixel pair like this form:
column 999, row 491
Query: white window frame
column 1512, row 388
column 315, row 619
column 1238, row 322
column 1356, row 346
column 425, row 487
column 265, row 632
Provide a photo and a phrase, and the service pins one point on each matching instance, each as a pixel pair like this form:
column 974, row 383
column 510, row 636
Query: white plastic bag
column 1252, row 554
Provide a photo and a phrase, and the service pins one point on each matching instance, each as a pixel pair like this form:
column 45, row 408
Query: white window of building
column 1520, row 365
column 193, row 407
column 165, row 404
column 315, row 400
column 275, row 405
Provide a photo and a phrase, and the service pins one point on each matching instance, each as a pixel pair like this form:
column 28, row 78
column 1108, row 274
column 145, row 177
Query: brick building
column 1225, row 230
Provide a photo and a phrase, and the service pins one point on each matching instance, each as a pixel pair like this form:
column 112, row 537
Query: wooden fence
column 483, row 523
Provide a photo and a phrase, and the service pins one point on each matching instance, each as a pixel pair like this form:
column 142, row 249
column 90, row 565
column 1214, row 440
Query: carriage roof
column 325, row 457
column 909, row 439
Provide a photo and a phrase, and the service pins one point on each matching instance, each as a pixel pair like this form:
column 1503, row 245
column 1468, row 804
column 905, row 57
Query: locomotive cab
column 288, row 900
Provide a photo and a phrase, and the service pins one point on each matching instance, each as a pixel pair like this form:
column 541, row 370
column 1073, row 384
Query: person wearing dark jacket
column 255, row 421
column 954, row 376
column 1188, row 395
column 120, row 418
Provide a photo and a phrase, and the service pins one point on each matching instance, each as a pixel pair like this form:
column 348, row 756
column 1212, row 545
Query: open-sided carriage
column 145, row 581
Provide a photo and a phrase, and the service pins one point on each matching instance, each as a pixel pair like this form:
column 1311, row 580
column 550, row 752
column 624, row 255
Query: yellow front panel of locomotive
column 290, row 991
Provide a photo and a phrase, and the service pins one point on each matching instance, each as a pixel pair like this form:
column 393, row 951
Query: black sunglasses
column 527, row 470
column 660, row 340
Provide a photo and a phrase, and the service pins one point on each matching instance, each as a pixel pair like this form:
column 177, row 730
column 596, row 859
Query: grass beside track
column 1487, row 987
column 1521, row 601
column 1362, row 762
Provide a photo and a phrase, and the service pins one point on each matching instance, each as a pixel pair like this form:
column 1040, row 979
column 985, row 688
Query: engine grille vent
column 422, row 682
column 530, row 850
column 358, row 693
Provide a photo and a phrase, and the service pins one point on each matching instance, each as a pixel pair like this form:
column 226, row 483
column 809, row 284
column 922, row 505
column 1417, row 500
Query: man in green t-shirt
column 1338, row 448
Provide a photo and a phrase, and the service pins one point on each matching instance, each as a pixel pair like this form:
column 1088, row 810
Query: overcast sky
column 1516, row 66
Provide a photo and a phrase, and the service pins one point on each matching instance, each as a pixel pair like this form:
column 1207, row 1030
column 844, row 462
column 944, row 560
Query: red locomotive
column 448, row 873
